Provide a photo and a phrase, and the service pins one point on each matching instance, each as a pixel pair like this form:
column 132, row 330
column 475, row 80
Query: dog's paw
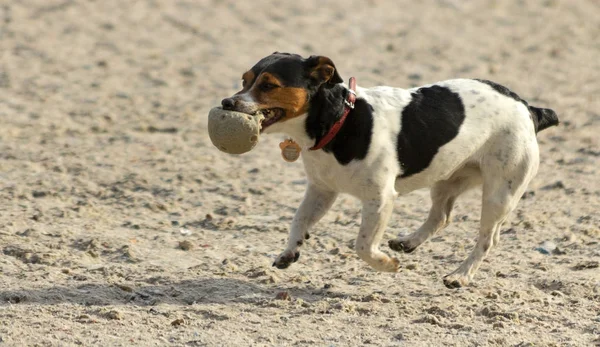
column 453, row 281
column 392, row 265
column 404, row 246
column 285, row 259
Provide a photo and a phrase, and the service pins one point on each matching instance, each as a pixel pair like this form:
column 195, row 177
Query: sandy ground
column 121, row 225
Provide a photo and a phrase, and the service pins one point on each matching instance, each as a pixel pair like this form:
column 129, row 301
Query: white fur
column 496, row 147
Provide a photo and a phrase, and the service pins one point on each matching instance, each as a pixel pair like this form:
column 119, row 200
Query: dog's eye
column 265, row 87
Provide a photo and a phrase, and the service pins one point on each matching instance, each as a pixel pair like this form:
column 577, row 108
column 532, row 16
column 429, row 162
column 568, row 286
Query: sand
column 121, row 225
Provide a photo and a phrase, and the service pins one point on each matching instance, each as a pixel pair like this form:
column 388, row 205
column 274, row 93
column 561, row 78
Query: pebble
column 412, row 266
column 587, row 265
column 39, row 194
column 114, row 314
column 335, row 251
column 283, row 296
column 555, row 185
column 178, row 322
column 547, row 247
column 186, row 245
column 185, row 232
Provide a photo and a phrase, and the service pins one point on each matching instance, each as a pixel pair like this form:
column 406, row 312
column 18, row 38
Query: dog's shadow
column 187, row 292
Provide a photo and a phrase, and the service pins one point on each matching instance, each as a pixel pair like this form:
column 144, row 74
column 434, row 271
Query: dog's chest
column 323, row 170
column 364, row 179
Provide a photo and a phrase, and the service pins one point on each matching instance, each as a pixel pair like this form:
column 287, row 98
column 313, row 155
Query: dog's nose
column 228, row 103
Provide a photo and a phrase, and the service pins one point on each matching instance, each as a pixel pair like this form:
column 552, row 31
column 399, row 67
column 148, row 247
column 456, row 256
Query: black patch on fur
column 503, row 90
column 290, row 68
column 354, row 138
column 542, row 117
column 431, row 119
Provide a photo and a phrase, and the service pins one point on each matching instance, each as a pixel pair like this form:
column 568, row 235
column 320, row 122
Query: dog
column 381, row 142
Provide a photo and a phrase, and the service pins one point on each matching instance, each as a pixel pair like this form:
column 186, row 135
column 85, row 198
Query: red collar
column 349, row 105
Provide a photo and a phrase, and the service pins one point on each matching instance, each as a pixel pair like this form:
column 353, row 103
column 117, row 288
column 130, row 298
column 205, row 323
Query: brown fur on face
column 247, row 80
column 292, row 100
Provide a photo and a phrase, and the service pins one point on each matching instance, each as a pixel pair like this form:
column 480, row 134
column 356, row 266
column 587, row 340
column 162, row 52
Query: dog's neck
column 325, row 108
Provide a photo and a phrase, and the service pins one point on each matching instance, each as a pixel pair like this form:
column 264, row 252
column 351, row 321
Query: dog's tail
column 543, row 118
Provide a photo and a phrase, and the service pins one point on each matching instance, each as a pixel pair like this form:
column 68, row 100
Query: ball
column 233, row 132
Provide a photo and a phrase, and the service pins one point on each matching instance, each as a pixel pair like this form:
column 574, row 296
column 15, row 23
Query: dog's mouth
column 272, row 116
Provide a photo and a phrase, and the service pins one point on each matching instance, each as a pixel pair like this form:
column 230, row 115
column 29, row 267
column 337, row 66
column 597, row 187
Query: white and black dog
column 382, row 142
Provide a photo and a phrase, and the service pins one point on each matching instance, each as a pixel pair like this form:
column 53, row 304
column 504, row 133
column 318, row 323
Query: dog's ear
column 322, row 70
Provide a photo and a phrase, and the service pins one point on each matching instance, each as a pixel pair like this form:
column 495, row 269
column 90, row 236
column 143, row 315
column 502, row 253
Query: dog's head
column 280, row 86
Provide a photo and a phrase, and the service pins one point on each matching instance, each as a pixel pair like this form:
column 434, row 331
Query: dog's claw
column 454, row 282
column 283, row 262
column 400, row 246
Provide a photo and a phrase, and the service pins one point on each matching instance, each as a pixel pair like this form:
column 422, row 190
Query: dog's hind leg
column 504, row 182
column 375, row 216
column 316, row 203
column 443, row 196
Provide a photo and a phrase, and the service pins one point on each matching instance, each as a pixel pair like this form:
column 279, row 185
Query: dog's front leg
column 375, row 216
column 316, row 203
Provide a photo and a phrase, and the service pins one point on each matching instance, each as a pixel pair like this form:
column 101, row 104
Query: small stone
column 374, row 297
column 547, row 247
column 586, row 265
column 498, row 325
column 492, row 295
column 177, row 322
column 283, row 296
column 66, row 271
column 39, row 194
column 186, row 245
column 569, row 237
column 558, row 251
column 412, row 266
column 114, row 314
column 27, row 232
column 185, row 232
column 555, row 185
